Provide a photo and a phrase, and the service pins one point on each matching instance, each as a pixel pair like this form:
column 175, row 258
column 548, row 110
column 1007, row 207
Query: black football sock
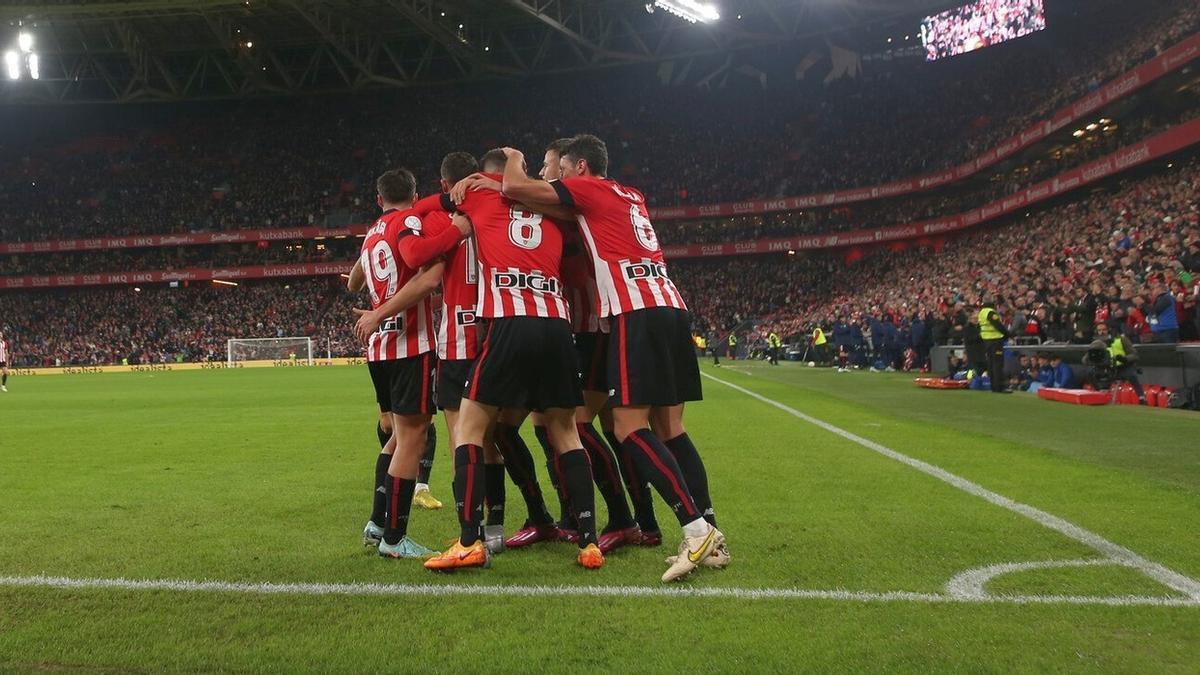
column 379, row 507
column 657, row 463
column 518, row 461
column 384, row 436
column 493, row 478
column 607, row 477
column 636, row 484
column 4, row 380
column 577, row 475
column 399, row 503
column 693, row 472
column 564, row 508
column 425, row 466
column 468, row 491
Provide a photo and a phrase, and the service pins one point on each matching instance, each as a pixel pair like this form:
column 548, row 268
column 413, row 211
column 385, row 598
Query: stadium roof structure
column 172, row 50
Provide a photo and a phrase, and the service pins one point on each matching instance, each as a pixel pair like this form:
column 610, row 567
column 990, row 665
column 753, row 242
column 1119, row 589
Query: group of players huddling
column 556, row 305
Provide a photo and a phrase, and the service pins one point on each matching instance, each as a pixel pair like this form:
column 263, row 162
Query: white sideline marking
column 369, row 589
column 970, row 584
column 1170, row 578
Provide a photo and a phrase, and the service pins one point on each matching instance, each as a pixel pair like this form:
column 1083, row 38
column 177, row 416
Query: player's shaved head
column 457, row 166
column 590, row 149
column 396, row 186
column 493, row 161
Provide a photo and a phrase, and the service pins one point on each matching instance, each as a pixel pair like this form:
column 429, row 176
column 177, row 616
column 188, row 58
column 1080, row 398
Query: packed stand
column 1128, row 258
column 217, row 166
column 1091, row 145
column 156, row 325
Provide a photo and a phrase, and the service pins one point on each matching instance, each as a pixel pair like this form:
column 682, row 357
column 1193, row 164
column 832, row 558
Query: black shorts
column 404, row 386
column 526, row 362
column 592, row 349
column 451, row 380
column 651, row 359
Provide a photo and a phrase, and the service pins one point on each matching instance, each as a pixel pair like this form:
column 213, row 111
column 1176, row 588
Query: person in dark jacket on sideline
column 921, row 340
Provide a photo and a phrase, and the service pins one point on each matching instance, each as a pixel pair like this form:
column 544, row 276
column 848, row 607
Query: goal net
column 294, row 349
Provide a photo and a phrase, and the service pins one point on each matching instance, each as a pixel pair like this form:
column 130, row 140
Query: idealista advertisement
column 175, row 367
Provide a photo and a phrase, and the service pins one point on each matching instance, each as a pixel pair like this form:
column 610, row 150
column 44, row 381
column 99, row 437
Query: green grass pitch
column 263, row 476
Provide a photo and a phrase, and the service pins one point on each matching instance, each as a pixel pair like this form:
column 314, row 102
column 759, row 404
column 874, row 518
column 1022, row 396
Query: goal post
column 294, row 349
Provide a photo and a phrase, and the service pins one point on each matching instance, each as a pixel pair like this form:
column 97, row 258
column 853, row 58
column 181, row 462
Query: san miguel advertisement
column 186, row 239
column 189, row 275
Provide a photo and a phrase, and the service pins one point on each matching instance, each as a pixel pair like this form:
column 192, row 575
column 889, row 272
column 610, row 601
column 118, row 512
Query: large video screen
column 980, row 24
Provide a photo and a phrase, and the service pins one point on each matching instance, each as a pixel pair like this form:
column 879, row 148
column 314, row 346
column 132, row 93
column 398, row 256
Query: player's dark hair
column 397, row 186
column 493, row 161
column 559, row 147
column 591, row 149
column 457, row 166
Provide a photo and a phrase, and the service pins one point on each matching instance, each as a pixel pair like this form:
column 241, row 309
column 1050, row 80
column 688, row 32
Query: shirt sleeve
column 430, row 204
column 568, row 189
column 418, row 251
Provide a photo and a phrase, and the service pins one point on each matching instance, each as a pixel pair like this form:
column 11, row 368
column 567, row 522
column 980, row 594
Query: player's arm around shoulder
column 418, row 245
column 418, row 288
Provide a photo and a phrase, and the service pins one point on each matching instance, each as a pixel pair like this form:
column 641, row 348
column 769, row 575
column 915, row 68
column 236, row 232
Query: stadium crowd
column 1091, row 145
column 1106, row 257
column 1127, row 258
column 307, row 161
column 155, row 325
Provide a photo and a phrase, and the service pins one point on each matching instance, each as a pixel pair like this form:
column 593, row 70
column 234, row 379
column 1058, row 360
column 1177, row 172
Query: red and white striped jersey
column 4, row 351
column 411, row 332
column 457, row 332
column 631, row 273
column 520, row 254
column 579, row 280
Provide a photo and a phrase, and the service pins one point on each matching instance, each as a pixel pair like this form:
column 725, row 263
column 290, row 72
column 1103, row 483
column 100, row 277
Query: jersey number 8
column 525, row 229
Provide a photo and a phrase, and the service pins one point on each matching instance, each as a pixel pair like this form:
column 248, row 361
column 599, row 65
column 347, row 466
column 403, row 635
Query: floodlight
column 690, row 10
column 12, row 64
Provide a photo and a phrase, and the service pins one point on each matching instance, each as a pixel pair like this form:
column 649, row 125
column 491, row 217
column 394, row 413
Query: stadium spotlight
column 25, row 42
column 12, row 64
column 689, row 10
column 32, row 61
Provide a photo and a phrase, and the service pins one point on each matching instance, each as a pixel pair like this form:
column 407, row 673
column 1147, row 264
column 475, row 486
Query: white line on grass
column 970, row 584
column 435, row 590
column 1160, row 573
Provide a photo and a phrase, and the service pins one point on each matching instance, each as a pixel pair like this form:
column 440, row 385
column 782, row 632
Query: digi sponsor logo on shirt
column 534, row 281
column 395, row 323
column 643, row 270
column 465, row 317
